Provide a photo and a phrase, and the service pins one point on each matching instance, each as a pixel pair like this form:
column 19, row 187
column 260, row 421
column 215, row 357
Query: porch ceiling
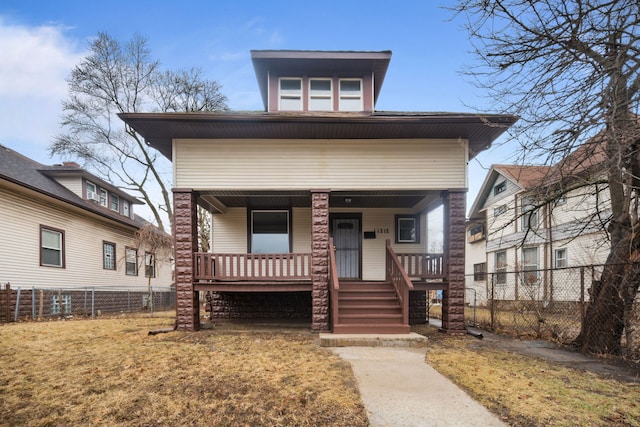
column 405, row 199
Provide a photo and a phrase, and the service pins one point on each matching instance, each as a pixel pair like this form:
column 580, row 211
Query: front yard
column 111, row 372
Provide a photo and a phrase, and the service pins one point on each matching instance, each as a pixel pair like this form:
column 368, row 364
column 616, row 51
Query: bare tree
column 116, row 78
column 157, row 246
column 571, row 70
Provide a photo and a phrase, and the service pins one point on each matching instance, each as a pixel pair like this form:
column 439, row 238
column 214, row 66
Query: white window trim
column 104, row 197
column 288, row 95
column 91, row 194
column 565, row 259
column 321, row 95
column 350, row 96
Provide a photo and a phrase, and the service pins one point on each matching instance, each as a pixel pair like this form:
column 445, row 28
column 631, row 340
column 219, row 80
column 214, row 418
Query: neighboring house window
column 270, row 231
column 350, row 95
column 476, row 233
column 131, row 261
column 501, row 267
column 92, row 191
column 125, row 208
column 149, row 265
column 108, row 255
column 115, row 203
column 561, row 258
column 51, row 247
column 561, row 200
column 530, row 265
column 291, row 94
column 320, row 95
column 529, row 213
column 60, row 307
column 407, row 229
column 499, row 188
column 103, row 197
column 479, row 271
column 499, row 210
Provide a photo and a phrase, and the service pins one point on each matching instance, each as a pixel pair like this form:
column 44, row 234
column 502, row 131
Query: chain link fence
column 18, row 303
column 540, row 304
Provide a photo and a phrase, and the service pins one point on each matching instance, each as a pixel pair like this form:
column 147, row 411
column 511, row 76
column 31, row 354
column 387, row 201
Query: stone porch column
column 320, row 260
column 185, row 244
column 454, row 247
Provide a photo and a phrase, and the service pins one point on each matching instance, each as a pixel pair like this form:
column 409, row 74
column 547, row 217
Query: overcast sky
column 41, row 41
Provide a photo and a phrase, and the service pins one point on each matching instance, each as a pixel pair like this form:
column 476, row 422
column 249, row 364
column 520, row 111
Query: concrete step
column 363, row 328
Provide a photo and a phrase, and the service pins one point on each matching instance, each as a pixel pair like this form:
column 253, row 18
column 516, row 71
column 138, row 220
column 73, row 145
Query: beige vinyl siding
column 84, row 234
column 73, row 183
column 333, row 164
column 230, row 231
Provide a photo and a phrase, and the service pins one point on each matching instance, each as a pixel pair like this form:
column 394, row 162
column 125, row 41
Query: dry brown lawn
column 111, row 372
column 528, row 391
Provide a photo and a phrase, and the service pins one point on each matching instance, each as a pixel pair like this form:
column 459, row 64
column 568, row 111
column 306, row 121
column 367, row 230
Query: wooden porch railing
column 334, row 282
column 397, row 275
column 424, row 266
column 252, row 267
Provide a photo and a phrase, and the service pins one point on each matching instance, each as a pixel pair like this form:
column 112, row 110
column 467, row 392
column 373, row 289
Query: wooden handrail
column 334, row 282
column 424, row 265
column 398, row 277
column 215, row 266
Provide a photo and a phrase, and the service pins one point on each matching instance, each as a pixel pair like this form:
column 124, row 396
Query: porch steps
column 366, row 307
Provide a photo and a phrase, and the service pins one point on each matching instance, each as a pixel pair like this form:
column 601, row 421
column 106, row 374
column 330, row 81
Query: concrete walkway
column 399, row 389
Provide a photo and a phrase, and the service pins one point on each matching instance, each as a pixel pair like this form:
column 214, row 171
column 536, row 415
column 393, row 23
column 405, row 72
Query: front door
column 345, row 230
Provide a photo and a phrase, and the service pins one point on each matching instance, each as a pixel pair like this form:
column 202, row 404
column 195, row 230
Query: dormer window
column 290, row 94
column 115, row 203
column 103, row 197
column 91, row 191
column 320, row 98
column 350, row 95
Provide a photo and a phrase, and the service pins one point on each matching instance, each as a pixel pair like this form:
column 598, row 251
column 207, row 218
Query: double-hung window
column 270, row 231
column 350, row 95
column 108, row 256
column 131, row 261
column 92, row 191
column 501, row 268
column 51, row 247
column 530, row 265
column 149, row 265
column 479, row 271
column 125, row 208
column 104, row 196
column 320, row 98
column 290, row 94
column 561, row 258
column 115, row 203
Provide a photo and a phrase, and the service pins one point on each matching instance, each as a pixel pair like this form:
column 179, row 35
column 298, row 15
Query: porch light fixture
column 347, row 200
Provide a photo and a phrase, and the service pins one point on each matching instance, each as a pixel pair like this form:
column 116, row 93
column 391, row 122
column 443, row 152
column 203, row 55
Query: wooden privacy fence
column 251, row 267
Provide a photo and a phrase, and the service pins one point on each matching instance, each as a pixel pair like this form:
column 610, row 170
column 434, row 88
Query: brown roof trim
column 159, row 129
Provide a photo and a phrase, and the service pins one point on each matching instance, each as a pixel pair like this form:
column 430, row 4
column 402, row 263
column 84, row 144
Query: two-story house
column 527, row 221
column 66, row 229
column 320, row 202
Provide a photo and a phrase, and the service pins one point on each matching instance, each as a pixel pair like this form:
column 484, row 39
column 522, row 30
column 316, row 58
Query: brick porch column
column 320, row 260
column 185, row 243
column 454, row 246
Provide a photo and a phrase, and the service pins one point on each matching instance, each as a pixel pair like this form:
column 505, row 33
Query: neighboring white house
column 535, row 219
column 65, row 229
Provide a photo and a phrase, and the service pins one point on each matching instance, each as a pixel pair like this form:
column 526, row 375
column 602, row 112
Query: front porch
column 335, row 306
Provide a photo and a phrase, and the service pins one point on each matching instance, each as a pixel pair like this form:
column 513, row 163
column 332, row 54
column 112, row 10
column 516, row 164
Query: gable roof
column 27, row 173
column 587, row 158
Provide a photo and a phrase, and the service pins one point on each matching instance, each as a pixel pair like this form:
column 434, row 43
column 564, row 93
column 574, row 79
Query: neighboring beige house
column 318, row 164
column 64, row 228
column 519, row 224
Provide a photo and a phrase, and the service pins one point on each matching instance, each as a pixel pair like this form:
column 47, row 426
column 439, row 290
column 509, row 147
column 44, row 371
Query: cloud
column 35, row 64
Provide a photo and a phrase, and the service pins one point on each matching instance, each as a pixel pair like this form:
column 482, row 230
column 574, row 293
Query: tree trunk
column 612, row 297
